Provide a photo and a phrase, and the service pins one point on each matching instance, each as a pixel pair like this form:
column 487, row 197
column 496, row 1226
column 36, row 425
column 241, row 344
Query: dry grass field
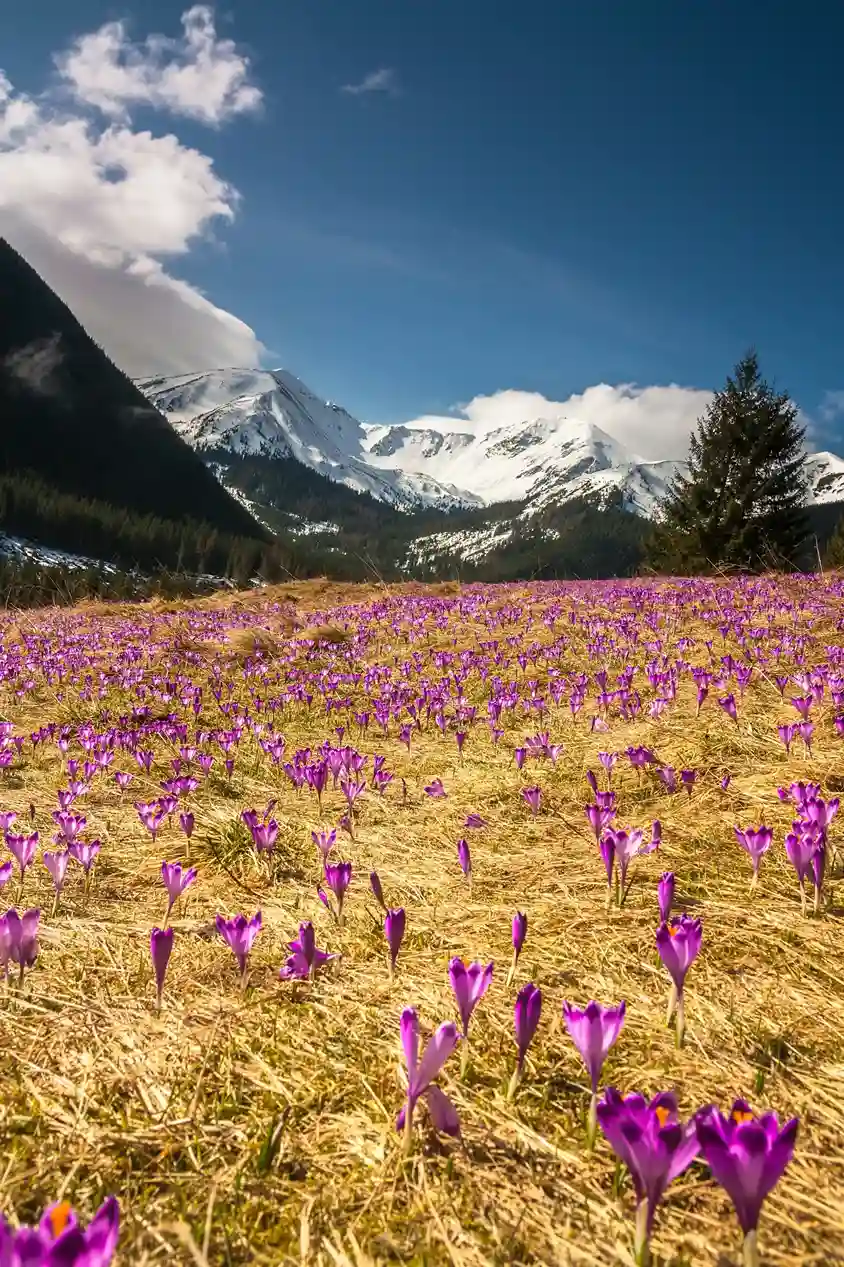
column 257, row 1125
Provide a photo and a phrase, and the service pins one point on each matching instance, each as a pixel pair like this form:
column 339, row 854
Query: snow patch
column 539, row 462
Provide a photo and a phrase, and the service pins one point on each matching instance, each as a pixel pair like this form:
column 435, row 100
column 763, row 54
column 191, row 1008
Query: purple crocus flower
column 665, row 895
column 474, row 820
column 304, row 958
column 59, row 1241
column 533, row 796
column 654, row 1146
column 422, row 1074
column 7, row 817
column 469, row 984
column 668, row 777
column 240, row 933
column 160, row 946
column 85, row 854
column 264, row 835
column 56, row 864
column 22, row 849
column 599, row 817
column 606, row 846
column 526, row 1016
column 747, row 1156
column 395, row 923
column 187, row 822
column 520, row 926
column 801, row 845
column 19, row 939
column 629, row 844
column 593, row 1032
column 324, row 841
column 464, row 857
column 728, row 703
column 608, row 760
column 338, row 876
column 678, row 942
column 5, row 873
column 756, row 841
column 435, row 788
column 175, row 881
column 821, row 812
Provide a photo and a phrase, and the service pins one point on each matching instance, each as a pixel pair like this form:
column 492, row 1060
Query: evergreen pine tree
column 742, row 504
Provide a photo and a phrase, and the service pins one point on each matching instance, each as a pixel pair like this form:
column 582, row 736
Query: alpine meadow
column 421, row 635
column 313, row 892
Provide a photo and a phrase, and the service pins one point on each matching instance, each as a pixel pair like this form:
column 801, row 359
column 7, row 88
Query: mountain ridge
column 540, row 462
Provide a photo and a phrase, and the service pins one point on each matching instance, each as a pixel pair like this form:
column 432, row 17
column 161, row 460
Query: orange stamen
column 662, row 1114
column 740, row 1115
column 60, row 1217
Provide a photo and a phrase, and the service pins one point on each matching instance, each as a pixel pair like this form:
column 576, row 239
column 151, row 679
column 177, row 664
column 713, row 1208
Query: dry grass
column 259, row 1128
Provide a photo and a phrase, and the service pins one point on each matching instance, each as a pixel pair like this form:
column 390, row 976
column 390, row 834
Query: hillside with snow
column 272, row 415
column 541, row 462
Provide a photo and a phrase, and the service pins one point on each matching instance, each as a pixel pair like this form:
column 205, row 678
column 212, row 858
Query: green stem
column 408, row 1129
column 672, row 1003
column 641, row 1248
column 681, row 1021
column 592, row 1123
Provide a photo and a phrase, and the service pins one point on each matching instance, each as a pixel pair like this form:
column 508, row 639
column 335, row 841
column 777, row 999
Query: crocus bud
column 377, row 891
column 464, row 857
column 160, row 945
column 526, row 1019
column 519, row 935
column 665, row 895
column 395, row 923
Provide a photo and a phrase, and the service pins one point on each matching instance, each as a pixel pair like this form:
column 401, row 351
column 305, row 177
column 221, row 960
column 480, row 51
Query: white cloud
column 652, row 422
column 199, row 76
column 384, row 80
column 97, row 208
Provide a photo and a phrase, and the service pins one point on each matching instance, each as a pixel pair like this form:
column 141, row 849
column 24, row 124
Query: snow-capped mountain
column 271, row 414
column 539, row 462
column 826, row 477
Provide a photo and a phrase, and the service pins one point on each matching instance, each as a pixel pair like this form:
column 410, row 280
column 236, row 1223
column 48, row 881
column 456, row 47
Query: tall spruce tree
column 742, row 504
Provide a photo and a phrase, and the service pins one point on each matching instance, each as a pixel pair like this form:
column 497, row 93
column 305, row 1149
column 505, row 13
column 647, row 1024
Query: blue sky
column 556, row 194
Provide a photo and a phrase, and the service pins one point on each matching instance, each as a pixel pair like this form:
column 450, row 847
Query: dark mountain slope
column 71, row 417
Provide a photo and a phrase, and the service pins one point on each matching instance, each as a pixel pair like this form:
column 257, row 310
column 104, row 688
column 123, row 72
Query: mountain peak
column 539, row 461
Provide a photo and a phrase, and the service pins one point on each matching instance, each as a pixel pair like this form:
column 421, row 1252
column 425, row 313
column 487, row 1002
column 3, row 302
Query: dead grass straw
column 258, row 1128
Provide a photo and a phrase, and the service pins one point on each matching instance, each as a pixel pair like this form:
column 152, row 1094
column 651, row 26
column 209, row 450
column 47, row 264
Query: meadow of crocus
column 485, row 925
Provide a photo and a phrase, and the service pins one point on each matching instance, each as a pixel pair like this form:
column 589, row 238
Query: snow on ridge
column 539, row 462
column 277, row 416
